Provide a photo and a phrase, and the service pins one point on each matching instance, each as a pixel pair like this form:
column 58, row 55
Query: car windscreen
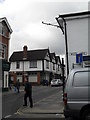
column 54, row 80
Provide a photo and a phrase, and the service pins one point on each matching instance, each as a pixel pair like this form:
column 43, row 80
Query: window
column 47, row 64
column 0, row 28
column 53, row 66
column 4, row 29
column 58, row 67
column 33, row 64
column 81, row 79
column 3, row 52
column 17, row 65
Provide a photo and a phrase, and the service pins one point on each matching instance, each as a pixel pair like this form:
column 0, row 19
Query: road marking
column 15, row 113
column 7, row 116
column 61, row 115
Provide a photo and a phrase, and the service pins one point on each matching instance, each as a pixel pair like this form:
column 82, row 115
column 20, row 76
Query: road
column 12, row 102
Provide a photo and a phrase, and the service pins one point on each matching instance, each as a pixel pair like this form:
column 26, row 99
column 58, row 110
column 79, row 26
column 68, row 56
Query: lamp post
column 60, row 21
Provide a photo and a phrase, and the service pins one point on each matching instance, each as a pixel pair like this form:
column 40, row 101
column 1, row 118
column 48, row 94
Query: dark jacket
column 18, row 84
column 28, row 88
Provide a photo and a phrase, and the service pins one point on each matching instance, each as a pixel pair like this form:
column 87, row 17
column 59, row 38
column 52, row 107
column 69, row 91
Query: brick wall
column 5, row 41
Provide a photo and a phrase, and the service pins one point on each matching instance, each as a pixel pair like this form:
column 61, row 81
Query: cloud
column 25, row 18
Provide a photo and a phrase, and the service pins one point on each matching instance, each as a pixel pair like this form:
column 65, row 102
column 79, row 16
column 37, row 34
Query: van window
column 81, row 79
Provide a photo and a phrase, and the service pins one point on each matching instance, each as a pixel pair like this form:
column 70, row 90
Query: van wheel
column 86, row 115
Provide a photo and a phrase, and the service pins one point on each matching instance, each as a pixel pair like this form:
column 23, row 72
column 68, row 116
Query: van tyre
column 86, row 115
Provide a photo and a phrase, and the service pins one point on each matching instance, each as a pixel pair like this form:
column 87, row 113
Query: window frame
column 53, row 66
column 33, row 64
column 17, row 64
column 73, row 83
column 47, row 64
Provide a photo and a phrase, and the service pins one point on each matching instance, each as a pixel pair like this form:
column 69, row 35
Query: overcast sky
column 25, row 18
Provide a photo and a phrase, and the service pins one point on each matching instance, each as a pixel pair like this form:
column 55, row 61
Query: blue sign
column 79, row 58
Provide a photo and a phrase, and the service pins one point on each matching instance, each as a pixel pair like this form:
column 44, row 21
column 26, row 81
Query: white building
column 37, row 65
column 77, row 26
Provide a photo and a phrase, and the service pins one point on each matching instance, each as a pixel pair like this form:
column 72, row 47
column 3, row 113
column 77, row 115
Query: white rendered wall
column 26, row 66
column 77, row 38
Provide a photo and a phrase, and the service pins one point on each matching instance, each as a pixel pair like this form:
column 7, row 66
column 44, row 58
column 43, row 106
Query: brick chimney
column 25, row 52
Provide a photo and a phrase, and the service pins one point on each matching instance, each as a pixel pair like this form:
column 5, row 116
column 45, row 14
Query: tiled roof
column 31, row 55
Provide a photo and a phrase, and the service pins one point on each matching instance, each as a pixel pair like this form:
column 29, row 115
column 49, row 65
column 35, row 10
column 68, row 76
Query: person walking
column 18, row 85
column 28, row 93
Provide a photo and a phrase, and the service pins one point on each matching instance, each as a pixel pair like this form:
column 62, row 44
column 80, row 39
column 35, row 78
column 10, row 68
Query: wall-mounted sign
column 79, row 58
column 74, row 53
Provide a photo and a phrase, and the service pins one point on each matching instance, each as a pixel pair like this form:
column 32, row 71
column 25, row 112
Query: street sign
column 79, row 58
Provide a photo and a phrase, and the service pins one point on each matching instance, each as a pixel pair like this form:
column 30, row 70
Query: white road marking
column 7, row 116
column 15, row 113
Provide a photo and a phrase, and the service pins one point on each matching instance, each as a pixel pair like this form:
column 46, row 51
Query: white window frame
column 33, row 64
column 17, row 65
column 47, row 64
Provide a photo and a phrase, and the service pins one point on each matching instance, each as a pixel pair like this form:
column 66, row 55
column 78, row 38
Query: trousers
column 30, row 99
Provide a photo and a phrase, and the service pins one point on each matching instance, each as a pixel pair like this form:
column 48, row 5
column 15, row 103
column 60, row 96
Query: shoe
column 31, row 106
column 24, row 105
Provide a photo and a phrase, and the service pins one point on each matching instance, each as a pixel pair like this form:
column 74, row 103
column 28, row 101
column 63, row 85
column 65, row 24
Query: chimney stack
column 25, row 52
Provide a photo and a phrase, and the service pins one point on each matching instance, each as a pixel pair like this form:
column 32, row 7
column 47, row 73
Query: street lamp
column 60, row 21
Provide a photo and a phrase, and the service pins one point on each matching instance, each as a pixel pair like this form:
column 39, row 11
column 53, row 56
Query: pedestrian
column 15, row 87
column 18, row 85
column 10, row 86
column 28, row 93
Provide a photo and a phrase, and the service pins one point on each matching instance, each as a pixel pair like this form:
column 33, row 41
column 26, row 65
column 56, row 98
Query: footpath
column 50, row 106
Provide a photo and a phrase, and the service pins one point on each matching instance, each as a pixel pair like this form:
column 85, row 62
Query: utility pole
column 64, row 30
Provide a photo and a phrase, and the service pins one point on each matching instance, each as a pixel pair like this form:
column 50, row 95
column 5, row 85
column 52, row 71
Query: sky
column 25, row 18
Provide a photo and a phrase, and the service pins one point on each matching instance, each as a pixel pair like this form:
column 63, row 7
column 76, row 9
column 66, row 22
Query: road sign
column 79, row 58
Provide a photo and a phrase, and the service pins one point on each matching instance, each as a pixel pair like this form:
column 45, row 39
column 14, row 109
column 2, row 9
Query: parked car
column 56, row 82
column 77, row 94
column 45, row 82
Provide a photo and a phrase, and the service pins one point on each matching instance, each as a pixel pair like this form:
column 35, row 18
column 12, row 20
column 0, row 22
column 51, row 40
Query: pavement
column 11, row 91
column 49, row 105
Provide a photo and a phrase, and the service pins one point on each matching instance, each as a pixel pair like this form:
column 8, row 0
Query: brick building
column 5, row 32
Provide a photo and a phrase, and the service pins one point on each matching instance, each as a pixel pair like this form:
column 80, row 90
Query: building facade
column 37, row 65
column 5, row 33
column 77, row 29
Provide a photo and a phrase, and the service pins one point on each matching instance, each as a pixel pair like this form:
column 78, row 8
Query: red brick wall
column 14, row 76
column 38, row 78
column 5, row 41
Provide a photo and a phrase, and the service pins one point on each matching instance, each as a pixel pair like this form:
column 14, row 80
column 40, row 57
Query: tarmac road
column 12, row 101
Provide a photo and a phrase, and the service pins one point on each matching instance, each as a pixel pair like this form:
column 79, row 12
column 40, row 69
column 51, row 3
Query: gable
column 47, row 56
column 4, row 20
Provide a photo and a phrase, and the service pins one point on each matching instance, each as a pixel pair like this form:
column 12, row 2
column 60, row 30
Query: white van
column 77, row 94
